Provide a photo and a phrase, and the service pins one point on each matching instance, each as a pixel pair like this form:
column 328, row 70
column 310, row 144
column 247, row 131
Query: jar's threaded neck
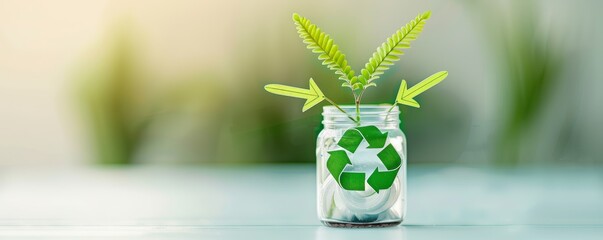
column 369, row 115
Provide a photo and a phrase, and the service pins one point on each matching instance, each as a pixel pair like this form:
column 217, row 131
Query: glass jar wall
column 361, row 167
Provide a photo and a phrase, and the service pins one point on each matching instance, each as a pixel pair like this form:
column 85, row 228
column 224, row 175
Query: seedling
column 385, row 56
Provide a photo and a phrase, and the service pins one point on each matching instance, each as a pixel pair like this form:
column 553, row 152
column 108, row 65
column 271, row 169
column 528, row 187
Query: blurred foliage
column 529, row 65
column 201, row 116
column 130, row 122
column 107, row 97
column 200, row 119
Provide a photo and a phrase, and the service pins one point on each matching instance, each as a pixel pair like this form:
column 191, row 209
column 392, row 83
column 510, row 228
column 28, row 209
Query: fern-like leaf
column 389, row 51
column 329, row 53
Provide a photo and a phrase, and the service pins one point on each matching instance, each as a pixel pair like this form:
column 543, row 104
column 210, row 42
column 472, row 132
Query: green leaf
column 406, row 95
column 320, row 42
column 313, row 95
column 388, row 52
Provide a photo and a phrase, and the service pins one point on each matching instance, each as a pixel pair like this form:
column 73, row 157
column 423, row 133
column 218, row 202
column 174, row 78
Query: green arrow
column 373, row 136
column 313, row 95
column 392, row 161
column 350, row 140
column 382, row 180
column 337, row 161
column 352, row 181
column 405, row 96
column 389, row 157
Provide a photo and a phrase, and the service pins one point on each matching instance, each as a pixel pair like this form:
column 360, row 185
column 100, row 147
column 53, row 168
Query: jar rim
column 372, row 114
column 365, row 109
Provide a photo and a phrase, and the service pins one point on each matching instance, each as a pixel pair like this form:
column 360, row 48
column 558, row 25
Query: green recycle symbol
column 354, row 181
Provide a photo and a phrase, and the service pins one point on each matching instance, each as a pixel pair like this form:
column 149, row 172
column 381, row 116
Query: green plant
column 529, row 63
column 385, row 56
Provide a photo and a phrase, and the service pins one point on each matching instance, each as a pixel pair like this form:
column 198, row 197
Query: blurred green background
column 133, row 82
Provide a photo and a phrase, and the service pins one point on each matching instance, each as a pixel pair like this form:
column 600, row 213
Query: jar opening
column 369, row 115
column 365, row 109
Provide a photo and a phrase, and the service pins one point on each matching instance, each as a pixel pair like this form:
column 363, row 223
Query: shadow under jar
column 361, row 167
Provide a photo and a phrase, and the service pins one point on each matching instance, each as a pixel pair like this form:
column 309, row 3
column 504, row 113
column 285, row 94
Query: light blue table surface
column 278, row 202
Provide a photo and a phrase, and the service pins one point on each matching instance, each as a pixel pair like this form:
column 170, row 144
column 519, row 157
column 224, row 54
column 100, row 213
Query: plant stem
column 340, row 109
column 358, row 106
column 390, row 110
column 357, row 111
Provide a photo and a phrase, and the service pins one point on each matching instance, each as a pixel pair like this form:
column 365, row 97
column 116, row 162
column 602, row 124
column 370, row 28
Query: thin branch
column 340, row 109
column 390, row 110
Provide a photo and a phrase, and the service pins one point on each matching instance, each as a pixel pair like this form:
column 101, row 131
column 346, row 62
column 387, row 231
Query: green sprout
column 385, row 56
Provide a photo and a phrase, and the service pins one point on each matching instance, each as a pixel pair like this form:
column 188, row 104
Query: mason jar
column 361, row 167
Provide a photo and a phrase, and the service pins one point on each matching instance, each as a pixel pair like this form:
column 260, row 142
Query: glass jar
column 361, row 168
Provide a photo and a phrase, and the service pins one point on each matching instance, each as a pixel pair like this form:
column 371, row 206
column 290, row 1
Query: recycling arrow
column 355, row 181
column 313, row 95
column 337, row 161
column 405, row 96
column 352, row 138
column 380, row 180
